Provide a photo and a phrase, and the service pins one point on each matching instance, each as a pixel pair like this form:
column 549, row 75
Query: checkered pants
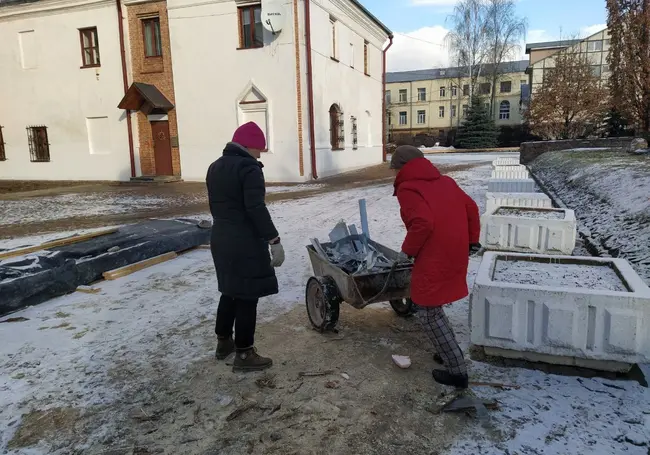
column 438, row 328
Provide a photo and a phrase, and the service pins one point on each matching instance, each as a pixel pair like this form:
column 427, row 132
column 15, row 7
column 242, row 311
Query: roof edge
column 372, row 17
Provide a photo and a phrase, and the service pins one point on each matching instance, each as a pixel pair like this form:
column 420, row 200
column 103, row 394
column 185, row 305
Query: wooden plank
column 56, row 243
column 129, row 269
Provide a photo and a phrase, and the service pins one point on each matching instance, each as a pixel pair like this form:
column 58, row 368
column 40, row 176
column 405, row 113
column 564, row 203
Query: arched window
column 337, row 129
column 504, row 110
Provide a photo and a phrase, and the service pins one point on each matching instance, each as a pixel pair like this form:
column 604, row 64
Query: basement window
column 3, row 156
column 39, row 147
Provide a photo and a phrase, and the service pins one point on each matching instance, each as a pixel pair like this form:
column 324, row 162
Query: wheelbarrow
column 332, row 285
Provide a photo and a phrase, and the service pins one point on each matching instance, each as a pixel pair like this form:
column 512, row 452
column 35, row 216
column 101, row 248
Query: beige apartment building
column 433, row 101
column 542, row 56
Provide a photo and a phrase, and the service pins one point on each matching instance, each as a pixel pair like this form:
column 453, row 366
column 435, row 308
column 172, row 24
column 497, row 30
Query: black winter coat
column 242, row 225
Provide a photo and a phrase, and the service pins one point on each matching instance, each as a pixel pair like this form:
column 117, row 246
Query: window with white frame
column 422, row 117
column 403, row 96
column 443, row 92
column 422, row 94
column 402, row 118
column 388, row 96
column 504, row 110
column 441, row 111
column 465, row 110
column 453, row 110
column 594, row 46
column 454, row 90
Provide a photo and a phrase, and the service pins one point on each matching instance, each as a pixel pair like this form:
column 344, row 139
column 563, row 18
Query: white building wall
column 57, row 93
column 211, row 76
column 356, row 94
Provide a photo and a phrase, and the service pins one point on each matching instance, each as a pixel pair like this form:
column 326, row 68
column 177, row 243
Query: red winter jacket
column 441, row 222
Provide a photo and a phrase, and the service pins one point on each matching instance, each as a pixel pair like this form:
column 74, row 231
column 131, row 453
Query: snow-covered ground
column 68, row 349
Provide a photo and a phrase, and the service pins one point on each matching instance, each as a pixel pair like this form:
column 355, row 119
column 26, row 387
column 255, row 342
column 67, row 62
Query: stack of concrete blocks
column 578, row 326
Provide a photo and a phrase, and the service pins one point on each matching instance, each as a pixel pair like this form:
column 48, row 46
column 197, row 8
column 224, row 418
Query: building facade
column 60, row 80
column 435, row 101
column 177, row 77
column 542, row 59
column 322, row 72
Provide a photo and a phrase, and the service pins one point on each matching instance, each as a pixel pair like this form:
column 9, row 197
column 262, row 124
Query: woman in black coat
column 242, row 234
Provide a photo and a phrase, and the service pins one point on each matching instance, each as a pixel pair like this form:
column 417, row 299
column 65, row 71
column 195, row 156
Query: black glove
column 474, row 248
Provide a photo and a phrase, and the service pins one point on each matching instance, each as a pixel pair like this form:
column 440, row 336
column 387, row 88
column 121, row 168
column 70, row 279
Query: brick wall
column 531, row 150
column 154, row 71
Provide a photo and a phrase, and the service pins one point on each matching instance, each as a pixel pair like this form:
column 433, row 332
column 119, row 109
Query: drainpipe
column 310, row 92
column 383, row 99
column 125, row 78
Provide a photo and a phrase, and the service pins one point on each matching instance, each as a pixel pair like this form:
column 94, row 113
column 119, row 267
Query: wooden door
column 162, row 148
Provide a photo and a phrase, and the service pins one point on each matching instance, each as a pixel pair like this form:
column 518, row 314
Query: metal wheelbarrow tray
column 332, row 285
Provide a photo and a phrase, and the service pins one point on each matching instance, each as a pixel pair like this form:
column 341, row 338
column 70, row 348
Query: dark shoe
column 444, row 377
column 250, row 360
column 225, row 347
column 438, row 359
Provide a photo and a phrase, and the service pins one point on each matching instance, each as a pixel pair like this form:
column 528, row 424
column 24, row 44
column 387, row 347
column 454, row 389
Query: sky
column 420, row 26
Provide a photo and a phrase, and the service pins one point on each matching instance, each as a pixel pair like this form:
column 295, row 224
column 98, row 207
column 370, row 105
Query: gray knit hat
column 403, row 154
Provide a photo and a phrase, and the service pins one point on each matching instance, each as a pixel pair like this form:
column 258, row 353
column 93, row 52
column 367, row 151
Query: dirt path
column 160, row 201
column 380, row 409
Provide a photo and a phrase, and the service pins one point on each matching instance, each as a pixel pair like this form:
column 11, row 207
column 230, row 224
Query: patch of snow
column 530, row 213
column 557, row 274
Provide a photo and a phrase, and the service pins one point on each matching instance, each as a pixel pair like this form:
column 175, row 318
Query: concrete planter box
column 494, row 200
column 587, row 312
column 529, row 230
column 511, row 186
column 505, row 161
column 511, row 174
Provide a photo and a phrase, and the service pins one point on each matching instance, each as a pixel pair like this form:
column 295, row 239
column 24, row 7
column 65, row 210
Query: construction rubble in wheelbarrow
column 352, row 252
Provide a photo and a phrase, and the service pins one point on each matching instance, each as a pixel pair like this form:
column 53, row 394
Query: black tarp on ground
column 38, row 277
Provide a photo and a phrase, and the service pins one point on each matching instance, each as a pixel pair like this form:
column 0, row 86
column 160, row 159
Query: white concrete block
column 494, row 200
column 529, row 230
column 514, row 174
column 511, row 186
column 505, row 161
column 584, row 311
column 510, row 167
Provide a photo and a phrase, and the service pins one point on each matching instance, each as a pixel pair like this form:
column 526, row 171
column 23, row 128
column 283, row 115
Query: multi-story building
column 542, row 55
column 177, row 77
column 433, row 101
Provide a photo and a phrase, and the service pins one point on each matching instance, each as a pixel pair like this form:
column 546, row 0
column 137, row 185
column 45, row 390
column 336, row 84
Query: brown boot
column 250, row 360
column 225, row 347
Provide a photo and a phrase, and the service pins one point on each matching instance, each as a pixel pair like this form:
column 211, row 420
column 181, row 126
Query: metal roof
column 518, row 66
column 372, row 17
column 551, row 44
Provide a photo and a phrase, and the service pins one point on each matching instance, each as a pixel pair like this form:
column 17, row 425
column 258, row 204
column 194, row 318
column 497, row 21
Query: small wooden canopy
column 146, row 98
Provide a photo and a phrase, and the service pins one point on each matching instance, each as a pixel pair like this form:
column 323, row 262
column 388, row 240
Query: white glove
column 277, row 255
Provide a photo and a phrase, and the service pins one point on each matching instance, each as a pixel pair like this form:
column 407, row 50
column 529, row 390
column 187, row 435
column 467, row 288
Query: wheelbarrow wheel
column 323, row 302
column 403, row 307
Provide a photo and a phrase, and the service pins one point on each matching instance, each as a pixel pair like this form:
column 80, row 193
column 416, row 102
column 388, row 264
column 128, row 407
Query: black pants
column 242, row 314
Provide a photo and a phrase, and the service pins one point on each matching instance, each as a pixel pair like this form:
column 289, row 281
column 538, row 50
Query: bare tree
column 571, row 101
column 468, row 38
column 505, row 30
column 629, row 59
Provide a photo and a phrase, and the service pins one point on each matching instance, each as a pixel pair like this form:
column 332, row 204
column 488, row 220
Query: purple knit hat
column 251, row 136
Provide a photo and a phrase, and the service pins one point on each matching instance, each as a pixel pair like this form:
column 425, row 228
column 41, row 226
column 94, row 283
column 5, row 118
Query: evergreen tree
column 478, row 130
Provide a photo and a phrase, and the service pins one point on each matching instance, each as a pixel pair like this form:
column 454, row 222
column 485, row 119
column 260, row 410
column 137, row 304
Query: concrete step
column 149, row 179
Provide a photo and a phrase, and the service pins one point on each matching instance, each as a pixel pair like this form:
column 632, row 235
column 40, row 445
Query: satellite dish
column 273, row 16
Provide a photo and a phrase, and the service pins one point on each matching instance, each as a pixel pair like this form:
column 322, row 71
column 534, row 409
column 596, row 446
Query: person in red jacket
column 442, row 224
